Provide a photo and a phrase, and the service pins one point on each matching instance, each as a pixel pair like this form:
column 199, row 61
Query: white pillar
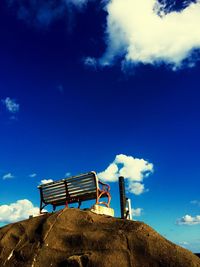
column 129, row 209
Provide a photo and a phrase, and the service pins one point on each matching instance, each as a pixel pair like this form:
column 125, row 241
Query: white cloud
column 142, row 32
column 17, row 211
column 136, row 188
column 137, row 212
column 67, row 174
column 32, row 175
column 46, row 181
column 132, row 169
column 11, row 105
column 110, row 174
column 139, row 31
column 189, row 220
column 8, row 176
column 90, row 62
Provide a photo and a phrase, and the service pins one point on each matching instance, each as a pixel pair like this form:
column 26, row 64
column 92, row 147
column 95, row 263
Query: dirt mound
column 73, row 237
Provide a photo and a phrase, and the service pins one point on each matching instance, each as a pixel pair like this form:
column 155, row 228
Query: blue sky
column 78, row 87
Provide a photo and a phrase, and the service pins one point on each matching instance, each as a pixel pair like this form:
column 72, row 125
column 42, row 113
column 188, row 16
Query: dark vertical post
column 122, row 196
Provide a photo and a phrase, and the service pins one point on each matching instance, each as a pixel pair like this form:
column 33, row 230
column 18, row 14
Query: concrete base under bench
column 102, row 210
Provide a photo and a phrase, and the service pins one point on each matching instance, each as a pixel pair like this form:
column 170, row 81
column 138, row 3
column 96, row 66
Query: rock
column 77, row 238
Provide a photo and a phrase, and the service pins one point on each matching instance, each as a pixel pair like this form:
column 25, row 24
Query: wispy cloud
column 46, row 181
column 43, row 13
column 134, row 170
column 11, row 105
column 17, row 211
column 78, row 3
column 189, row 220
column 137, row 212
column 195, row 202
column 183, row 243
column 67, row 174
column 90, row 62
column 8, row 176
column 192, row 244
column 150, row 32
column 32, row 175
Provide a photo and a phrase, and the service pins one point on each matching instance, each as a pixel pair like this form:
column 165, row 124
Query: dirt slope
column 79, row 238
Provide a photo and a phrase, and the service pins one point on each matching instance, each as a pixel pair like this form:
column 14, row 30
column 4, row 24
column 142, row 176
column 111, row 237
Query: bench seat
column 75, row 189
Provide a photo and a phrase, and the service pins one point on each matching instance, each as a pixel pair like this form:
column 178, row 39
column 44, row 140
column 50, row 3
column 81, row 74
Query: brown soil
column 73, row 237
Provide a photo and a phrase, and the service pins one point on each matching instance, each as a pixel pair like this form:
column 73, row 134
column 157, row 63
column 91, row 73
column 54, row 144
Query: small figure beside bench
column 75, row 189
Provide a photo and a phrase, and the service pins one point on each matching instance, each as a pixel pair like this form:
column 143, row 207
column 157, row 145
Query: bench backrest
column 81, row 187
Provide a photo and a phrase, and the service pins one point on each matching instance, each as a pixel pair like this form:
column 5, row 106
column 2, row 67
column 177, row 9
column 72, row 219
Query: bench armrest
column 104, row 187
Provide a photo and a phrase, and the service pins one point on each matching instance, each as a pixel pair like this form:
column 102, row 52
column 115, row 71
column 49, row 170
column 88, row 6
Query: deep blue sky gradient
column 150, row 112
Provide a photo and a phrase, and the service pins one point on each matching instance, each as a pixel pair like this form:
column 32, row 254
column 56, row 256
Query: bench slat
column 82, row 176
column 54, row 190
column 70, row 188
column 55, row 197
column 74, row 194
column 51, row 196
column 63, row 199
column 81, row 190
column 54, row 187
column 62, row 185
column 71, row 199
column 52, row 184
column 80, row 183
column 78, row 180
column 77, row 193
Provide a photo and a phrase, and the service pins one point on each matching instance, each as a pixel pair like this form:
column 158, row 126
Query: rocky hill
column 73, row 237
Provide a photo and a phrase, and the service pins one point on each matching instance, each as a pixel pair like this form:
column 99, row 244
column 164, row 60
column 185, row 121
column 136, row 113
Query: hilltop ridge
column 73, row 237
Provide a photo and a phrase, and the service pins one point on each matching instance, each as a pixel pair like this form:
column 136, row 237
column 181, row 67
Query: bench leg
column 40, row 206
column 79, row 204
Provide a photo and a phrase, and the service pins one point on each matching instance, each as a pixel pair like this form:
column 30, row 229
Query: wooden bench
column 74, row 189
